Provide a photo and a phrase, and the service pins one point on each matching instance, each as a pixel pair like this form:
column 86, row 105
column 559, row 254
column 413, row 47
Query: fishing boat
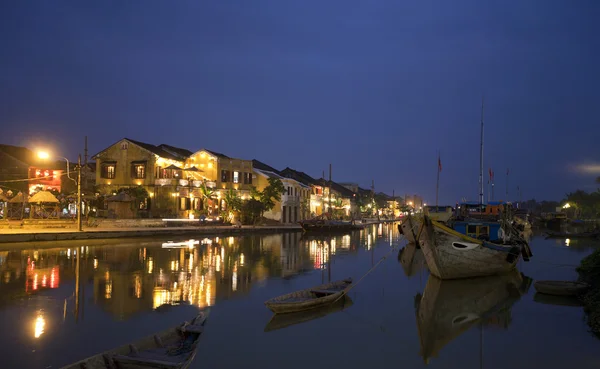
column 452, row 255
column 411, row 228
column 589, row 234
column 309, row 298
column 561, row 288
column 279, row 321
column 174, row 348
column 447, row 309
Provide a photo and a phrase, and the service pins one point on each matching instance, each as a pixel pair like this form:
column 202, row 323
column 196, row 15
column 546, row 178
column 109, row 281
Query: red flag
column 507, row 171
column 439, row 164
column 490, row 172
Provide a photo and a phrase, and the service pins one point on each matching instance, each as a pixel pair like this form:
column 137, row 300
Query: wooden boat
column 174, row 348
column 309, row 298
column 412, row 260
column 447, row 309
column 561, row 288
column 279, row 321
column 440, row 213
column 589, row 234
column 451, row 254
column 411, row 228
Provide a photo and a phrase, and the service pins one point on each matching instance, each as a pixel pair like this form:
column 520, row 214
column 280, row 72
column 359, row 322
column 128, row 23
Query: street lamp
column 45, row 155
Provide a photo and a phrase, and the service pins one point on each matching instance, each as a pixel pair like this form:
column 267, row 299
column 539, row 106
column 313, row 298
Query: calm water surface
column 398, row 316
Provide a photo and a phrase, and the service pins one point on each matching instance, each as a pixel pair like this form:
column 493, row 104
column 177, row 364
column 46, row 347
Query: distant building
column 294, row 204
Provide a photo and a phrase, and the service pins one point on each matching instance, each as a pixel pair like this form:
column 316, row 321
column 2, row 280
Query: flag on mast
column 439, row 163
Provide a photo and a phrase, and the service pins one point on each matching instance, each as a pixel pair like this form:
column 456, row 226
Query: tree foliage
column 233, row 201
column 271, row 193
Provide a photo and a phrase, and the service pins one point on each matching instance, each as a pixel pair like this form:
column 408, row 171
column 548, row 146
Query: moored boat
column 561, row 288
column 279, row 321
column 174, row 348
column 450, row 254
column 411, row 228
column 309, row 298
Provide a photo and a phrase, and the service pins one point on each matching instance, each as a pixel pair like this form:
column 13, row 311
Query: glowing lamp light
column 43, row 155
column 566, row 206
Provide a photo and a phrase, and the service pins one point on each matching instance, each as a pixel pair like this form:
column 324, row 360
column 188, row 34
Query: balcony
column 290, row 199
column 164, row 182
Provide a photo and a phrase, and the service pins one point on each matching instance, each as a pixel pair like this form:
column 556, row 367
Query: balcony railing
column 164, row 181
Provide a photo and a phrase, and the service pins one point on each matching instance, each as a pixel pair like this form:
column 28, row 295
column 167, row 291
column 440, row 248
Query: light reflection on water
column 136, row 288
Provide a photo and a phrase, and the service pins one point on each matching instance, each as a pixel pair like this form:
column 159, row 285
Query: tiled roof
column 155, row 149
column 264, row 167
column 184, row 153
column 299, row 176
column 218, row 154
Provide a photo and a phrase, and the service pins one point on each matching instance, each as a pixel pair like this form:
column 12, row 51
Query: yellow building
column 159, row 169
column 294, row 204
column 221, row 173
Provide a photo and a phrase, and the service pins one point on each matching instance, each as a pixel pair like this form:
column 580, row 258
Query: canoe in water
column 309, row 298
column 174, row 348
column 561, row 288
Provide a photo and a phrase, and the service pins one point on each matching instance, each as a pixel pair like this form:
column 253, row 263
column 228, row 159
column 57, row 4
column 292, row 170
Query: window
column 247, row 178
column 138, row 170
column 224, row 176
column 236, row 177
column 108, row 170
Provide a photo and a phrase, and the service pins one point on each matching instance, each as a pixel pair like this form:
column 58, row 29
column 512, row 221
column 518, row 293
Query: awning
column 173, row 166
column 192, row 169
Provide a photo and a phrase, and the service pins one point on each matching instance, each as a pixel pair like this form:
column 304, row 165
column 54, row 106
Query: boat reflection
column 446, row 309
column 412, row 259
column 279, row 321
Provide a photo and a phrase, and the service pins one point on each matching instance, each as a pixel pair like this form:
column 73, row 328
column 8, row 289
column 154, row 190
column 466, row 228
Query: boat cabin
column 475, row 208
column 439, row 213
column 480, row 230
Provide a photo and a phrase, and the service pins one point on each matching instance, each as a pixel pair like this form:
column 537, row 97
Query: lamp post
column 44, row 155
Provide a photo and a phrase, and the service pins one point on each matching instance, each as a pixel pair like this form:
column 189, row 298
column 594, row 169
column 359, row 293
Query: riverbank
column 53, row 234
column 589, row 272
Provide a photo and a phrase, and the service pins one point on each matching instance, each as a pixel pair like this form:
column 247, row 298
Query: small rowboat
column 279, row 321
column 561, row 288
column 309, row 298
column 174, row 348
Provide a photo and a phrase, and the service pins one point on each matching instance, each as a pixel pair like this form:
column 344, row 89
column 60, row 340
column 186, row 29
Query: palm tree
column 207, row 193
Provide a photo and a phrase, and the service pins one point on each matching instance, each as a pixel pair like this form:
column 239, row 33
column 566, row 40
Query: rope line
column 369, row 271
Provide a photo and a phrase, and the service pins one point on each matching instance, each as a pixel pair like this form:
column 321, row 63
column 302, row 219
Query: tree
column 271, row 193
column 207, row 194
column 252, row 209
column 233, row 202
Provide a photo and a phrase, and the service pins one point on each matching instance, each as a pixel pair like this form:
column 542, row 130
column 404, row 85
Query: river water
column 397, row 316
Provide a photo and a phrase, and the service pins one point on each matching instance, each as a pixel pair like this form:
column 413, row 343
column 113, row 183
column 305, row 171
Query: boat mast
column 437, row 185
column 329, row 194
column 481, row 159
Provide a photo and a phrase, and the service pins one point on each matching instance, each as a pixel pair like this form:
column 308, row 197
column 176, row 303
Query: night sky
column 375, row 88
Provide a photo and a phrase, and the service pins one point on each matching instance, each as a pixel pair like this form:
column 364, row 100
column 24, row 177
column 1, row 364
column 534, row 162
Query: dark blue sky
column 373, row 87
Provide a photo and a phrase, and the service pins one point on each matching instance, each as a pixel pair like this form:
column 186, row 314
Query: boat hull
column 125, row 360
column 560, row 288
column 309, row 298
column 451, row 255
column 410, row 228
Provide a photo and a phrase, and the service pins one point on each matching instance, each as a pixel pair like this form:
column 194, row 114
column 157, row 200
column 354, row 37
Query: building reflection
column 130, row 278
